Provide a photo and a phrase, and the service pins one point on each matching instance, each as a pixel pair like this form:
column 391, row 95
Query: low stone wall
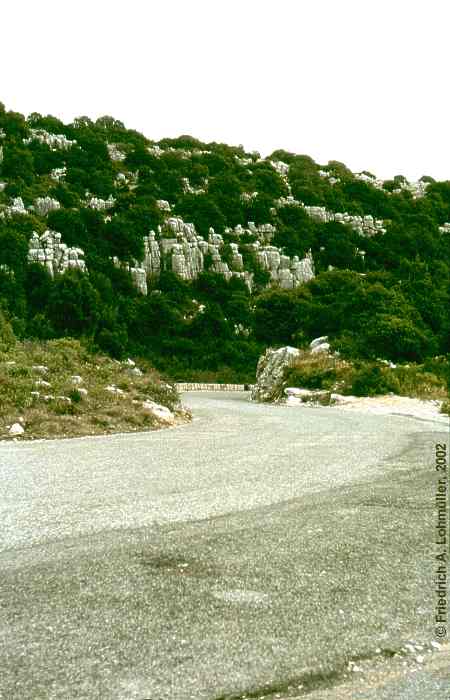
column 199, row 386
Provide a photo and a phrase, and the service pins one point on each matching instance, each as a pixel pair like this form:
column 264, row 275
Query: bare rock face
column 270, row 373
column 16, row 207
column 56, row 256
column 178, row 247
column 43, row 205
column 55, row 141
column 101, row 204
column 115, row 153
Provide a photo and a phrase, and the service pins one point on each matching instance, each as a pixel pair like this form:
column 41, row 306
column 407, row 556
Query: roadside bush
column 7, row 337
column 372, row 380
column 320, row 371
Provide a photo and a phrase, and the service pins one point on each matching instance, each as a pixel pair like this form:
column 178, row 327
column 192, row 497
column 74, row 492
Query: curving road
column 253, row 553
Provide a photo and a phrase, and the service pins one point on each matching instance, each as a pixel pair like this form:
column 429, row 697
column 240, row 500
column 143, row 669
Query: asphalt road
column 260, row 551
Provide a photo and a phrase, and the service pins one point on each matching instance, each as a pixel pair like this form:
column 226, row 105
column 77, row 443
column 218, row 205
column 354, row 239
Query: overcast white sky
column 365, row 82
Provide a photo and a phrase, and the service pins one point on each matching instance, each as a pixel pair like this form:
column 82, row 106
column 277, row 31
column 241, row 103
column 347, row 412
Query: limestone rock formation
column 364, row 225
column 57, row 257
column 100, row 204
column 179, row 248
column 55, row 141
column 162, row 204
column 58, row 174
column 43, row 205
column 270, row 373
column 115, row 153
column 16, row 207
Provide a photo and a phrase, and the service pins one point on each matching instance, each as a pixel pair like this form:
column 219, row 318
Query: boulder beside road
column 270, row 372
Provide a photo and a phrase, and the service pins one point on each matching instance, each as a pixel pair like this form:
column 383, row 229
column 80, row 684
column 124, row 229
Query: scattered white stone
column 322, row 347
column 138, row 372
column 420, row 659
column 341, row 399
column 82, row 391
column 42, row 382
column 16, row 429
column 162, row 413
column 130, row 362
column 294, row 391
column 318, row 341
column 40, row 368
column 436, row 645
column 293, row 401
column 113, row 389
column 354, row 668
column 66, row 399
column 76, row 379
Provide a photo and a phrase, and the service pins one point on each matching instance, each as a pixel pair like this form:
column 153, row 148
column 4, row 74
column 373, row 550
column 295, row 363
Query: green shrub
column 75, row 396
column 7, row 337
column 371, row 380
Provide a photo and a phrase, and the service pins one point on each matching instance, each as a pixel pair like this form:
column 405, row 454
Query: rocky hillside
column 197, row 256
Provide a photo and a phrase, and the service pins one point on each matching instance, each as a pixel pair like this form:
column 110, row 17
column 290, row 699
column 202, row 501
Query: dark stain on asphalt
column 177, row 565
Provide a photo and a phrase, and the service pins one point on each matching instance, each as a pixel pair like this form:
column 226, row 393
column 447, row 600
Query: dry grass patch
column 59, row 389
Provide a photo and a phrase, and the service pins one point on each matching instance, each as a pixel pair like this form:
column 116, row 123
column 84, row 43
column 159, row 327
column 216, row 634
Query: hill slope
column 196, row 256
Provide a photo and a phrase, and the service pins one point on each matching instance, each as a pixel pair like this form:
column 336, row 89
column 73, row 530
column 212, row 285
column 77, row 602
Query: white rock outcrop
column 101, row 204
column 161, row 413
column 319, row 345
column 55, row 141
column 43, row 205
column 115, row 153
column 270, row 372
column 16, row 429
column 58, row 174
column 16, row 207
column 56, row 256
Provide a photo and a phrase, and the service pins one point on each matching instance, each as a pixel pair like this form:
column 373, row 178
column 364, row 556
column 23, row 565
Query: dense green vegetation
column 393, row 302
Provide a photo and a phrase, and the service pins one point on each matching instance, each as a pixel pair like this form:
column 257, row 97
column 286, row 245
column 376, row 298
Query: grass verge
column 58, row 389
